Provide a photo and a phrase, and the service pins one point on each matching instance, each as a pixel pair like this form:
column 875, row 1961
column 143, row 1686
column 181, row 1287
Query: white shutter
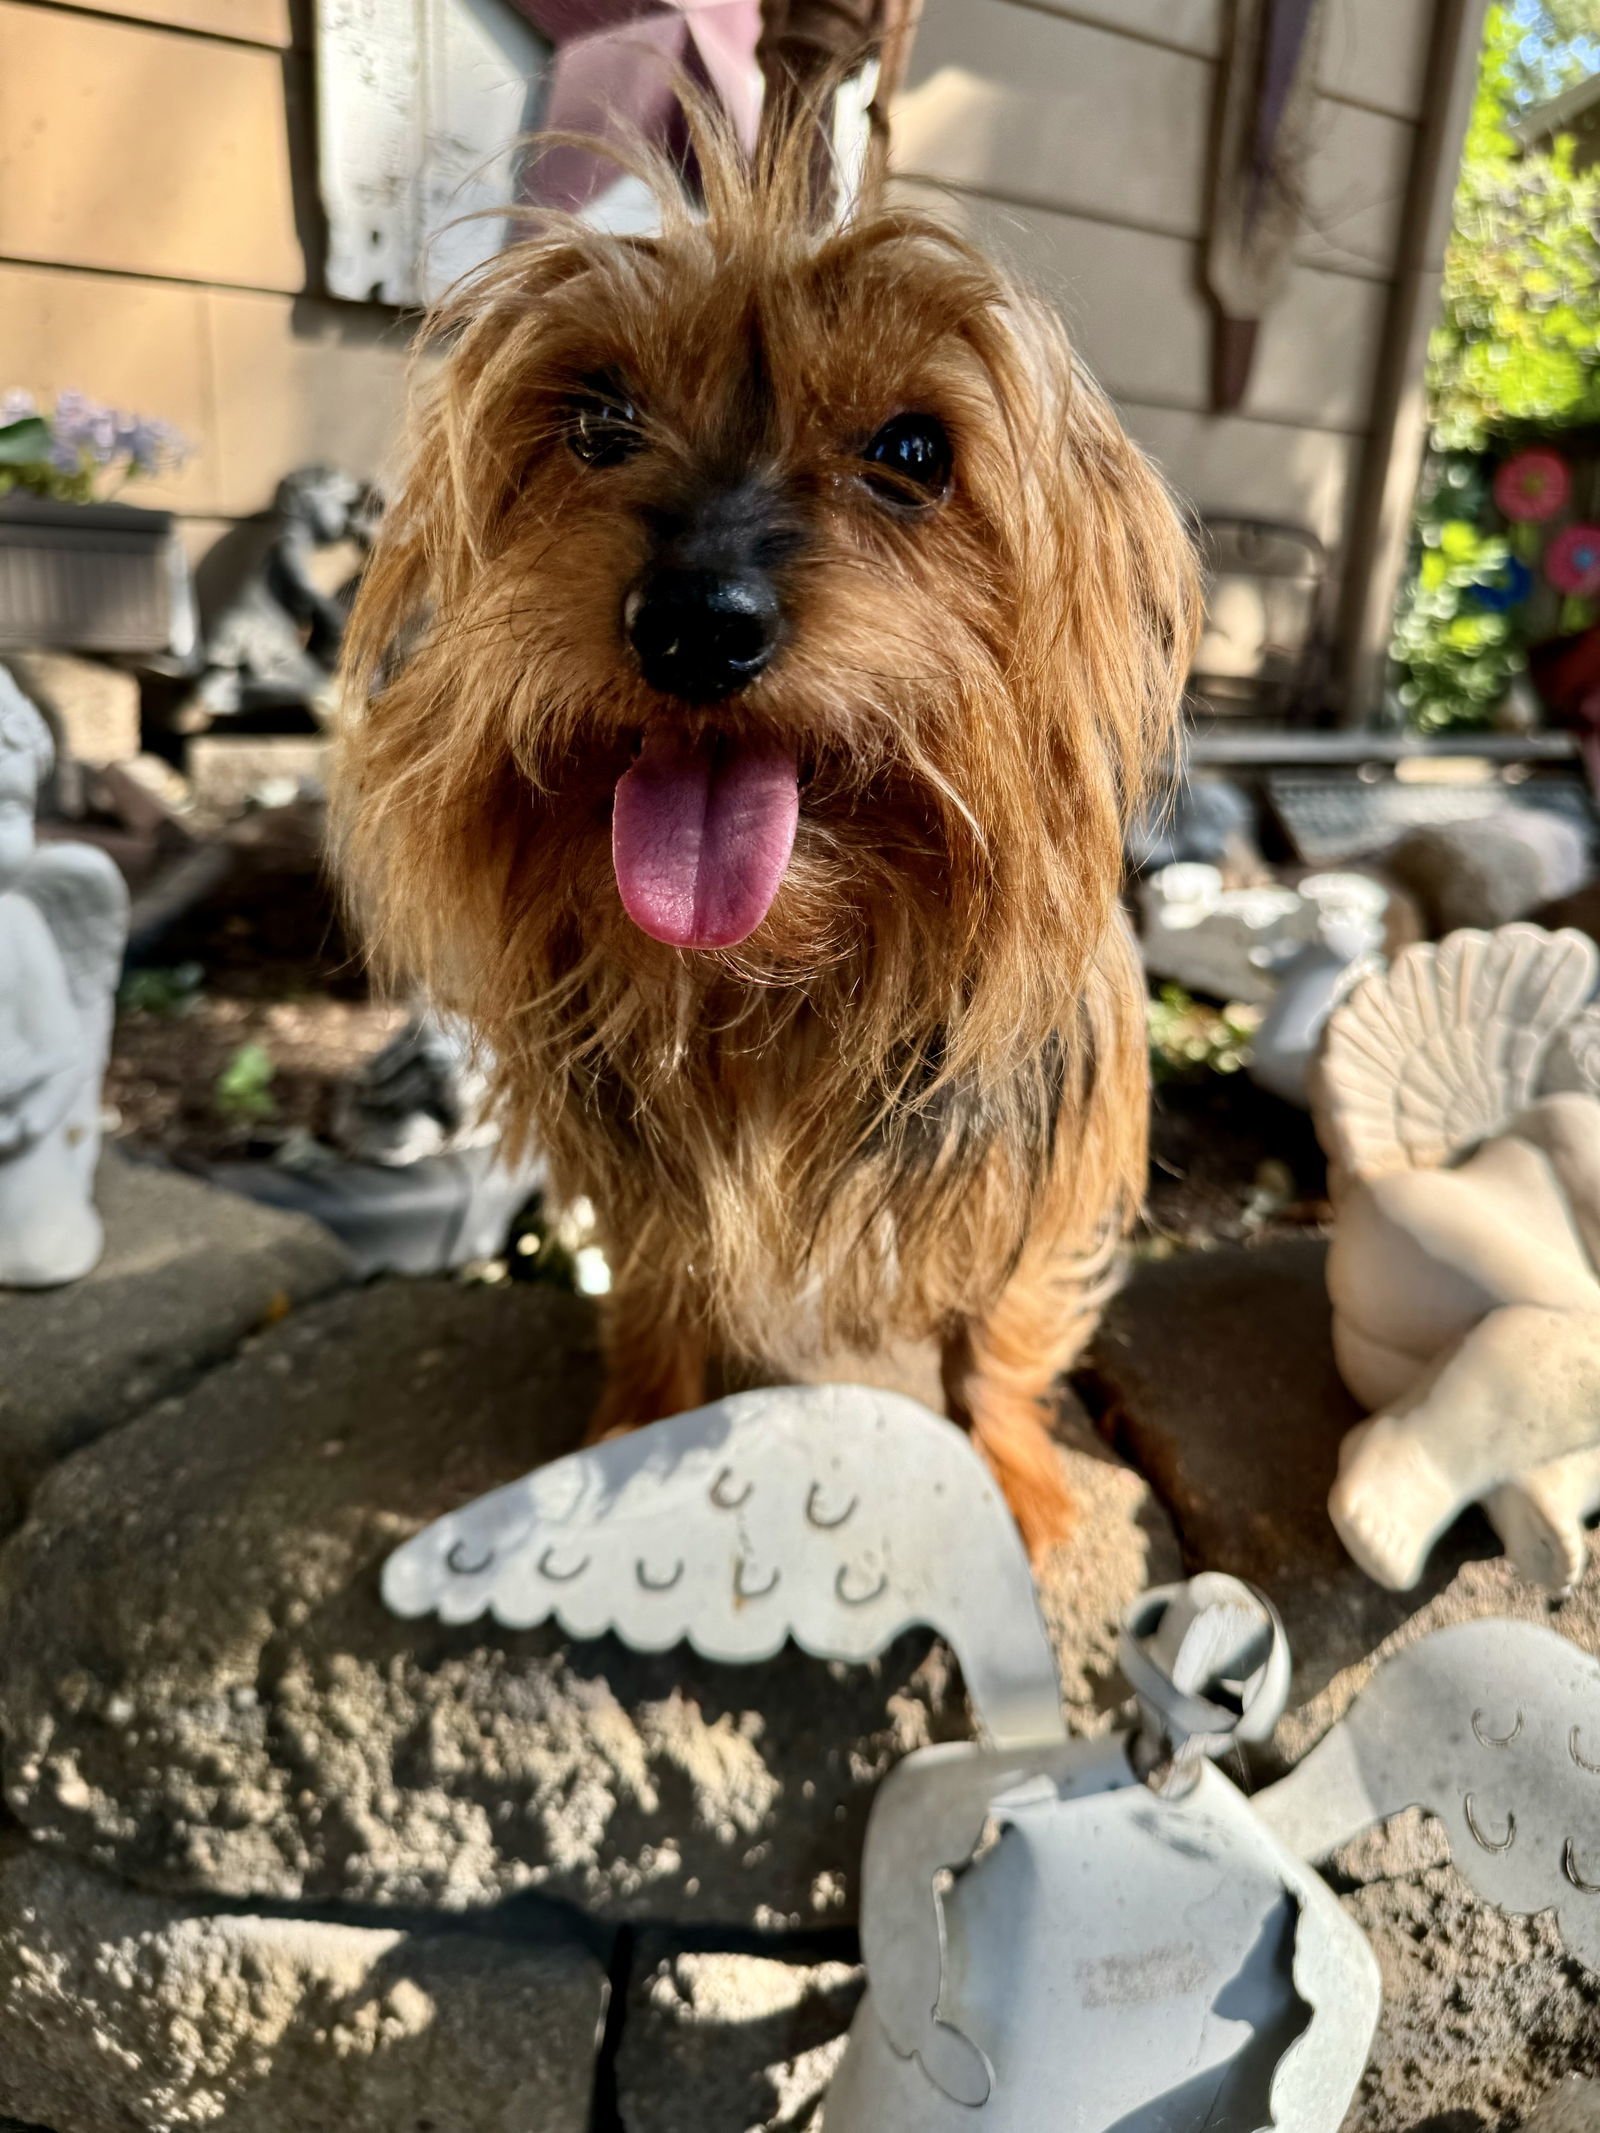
column 421, row 105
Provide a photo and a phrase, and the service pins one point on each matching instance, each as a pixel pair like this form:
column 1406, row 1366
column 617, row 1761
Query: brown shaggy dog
column 790, row 630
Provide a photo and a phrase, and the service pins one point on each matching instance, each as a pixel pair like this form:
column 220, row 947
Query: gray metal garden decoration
column 1092, row 1936
column 831, row 1515
column 1493, row 1725
column 63, row 923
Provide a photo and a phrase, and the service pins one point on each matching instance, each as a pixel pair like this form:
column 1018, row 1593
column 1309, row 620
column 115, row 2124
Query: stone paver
column 731, row 2043
column 1217, row 1376
column 120, row 2010
column 1483, row 2014
column 187, row 1273
column 200, row 1688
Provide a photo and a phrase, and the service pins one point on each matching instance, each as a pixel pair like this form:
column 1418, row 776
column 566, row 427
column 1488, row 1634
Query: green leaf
column 24, row 442
column 242, row 1093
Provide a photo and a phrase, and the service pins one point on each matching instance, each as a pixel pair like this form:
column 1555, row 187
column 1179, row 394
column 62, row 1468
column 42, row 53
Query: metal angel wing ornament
column 1102, row 1937
column 831, row 1514
column 1060, row 1936
column 1038, row 1919
column 1493, row 1726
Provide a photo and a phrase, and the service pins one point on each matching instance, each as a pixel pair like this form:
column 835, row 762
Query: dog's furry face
column 962, row 608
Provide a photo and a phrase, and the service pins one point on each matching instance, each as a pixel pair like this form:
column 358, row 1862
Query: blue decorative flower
column 1509, row 587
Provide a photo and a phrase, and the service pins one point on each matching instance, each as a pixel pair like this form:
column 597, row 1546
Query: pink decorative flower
column 1532, row 486
column 1572, row 562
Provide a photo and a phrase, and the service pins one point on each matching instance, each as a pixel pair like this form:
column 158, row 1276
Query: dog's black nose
column 703, row 634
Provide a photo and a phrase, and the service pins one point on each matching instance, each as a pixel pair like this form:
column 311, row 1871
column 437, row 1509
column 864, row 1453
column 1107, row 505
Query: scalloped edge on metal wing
column 835, row 1516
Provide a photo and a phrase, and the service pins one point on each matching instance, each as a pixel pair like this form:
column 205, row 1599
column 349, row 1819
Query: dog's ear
column 1111, row 606
column 1134, row 605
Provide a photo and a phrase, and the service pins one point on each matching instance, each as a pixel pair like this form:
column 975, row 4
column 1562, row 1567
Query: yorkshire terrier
column 789, row 632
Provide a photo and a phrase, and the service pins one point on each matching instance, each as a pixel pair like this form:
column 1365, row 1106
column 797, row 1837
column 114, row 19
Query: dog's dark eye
column 908, row 460
column 604, row 429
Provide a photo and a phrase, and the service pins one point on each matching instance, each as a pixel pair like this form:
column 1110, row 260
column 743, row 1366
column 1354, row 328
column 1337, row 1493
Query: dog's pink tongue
column 701, row 833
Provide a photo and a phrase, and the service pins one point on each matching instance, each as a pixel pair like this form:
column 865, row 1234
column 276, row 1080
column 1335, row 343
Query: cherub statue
column 63, row 923
column 1458, row 1098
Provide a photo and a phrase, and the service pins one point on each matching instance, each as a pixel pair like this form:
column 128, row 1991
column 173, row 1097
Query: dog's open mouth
column 701, row 832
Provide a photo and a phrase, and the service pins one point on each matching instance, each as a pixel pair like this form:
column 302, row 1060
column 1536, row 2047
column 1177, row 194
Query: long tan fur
column 912, row 1104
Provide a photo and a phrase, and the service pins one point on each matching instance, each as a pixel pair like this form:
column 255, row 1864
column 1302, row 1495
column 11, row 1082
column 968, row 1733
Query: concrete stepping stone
column 121, row 2009
column 188, row 1271
column 731, row 2043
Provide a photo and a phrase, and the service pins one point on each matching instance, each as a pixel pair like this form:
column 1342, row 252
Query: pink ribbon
column 614, row 78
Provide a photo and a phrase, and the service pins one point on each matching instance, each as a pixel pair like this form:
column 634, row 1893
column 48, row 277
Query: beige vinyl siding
column 156, row 162
column 1075, row 140
column 247, row 21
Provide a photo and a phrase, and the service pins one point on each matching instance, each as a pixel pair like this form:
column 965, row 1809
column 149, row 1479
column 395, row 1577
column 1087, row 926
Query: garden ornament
column 1097, row 1936
column 1458, row 1099
column 276, row 641
column 417, row 1181
column 1103, row 1936
column 63, row 923
column 1143, row 1939
column 1495, row 1728
column 1310, row 985
column 832, row 1515
column 1235, row 944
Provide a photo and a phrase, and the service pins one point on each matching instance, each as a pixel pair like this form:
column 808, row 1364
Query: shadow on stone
column 1214, row 1373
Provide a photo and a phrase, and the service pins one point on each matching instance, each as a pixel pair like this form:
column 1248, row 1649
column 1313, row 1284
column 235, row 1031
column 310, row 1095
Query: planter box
column 92, row 578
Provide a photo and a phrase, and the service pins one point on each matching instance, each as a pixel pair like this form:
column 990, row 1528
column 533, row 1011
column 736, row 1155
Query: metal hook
column 862, row 1599
column 1488, row 1844
column 728, row 1503
column 743, row 1591
column 1577, row 1754
column 1569, row 1867
column 560, row 1577
column 651, row 1584
column 460, row 1569
column 827, row 1525
column 1496, row 1740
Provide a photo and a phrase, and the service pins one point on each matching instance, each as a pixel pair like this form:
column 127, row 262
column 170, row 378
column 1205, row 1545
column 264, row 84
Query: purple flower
column 84, row 434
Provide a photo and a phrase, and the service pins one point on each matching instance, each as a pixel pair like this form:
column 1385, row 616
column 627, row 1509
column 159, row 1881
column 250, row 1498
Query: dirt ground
column 1229, row 1164
column 263, row 968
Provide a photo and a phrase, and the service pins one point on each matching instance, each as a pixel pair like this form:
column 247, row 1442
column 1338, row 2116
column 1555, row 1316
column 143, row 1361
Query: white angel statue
column 63, row 925
column 1458, row 1099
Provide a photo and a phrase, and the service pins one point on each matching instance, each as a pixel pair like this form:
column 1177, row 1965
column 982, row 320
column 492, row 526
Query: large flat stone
column 121, row 2010
column 1216, row 1374
column 1573, row 2107
column 200, row 1688
column 731, row 2043
column 187, row 1273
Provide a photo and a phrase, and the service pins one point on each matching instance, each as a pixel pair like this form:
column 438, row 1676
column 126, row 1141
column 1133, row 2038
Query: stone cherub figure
column 63, row 924
column 1458, row 1099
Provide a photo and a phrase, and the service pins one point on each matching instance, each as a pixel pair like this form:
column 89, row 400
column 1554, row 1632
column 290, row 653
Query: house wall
column 158, row 237
column 159, row 230
column 1075, row 139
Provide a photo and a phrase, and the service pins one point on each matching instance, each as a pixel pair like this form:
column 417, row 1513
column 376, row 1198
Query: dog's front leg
column 999, row 1374
column 655, row 1359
